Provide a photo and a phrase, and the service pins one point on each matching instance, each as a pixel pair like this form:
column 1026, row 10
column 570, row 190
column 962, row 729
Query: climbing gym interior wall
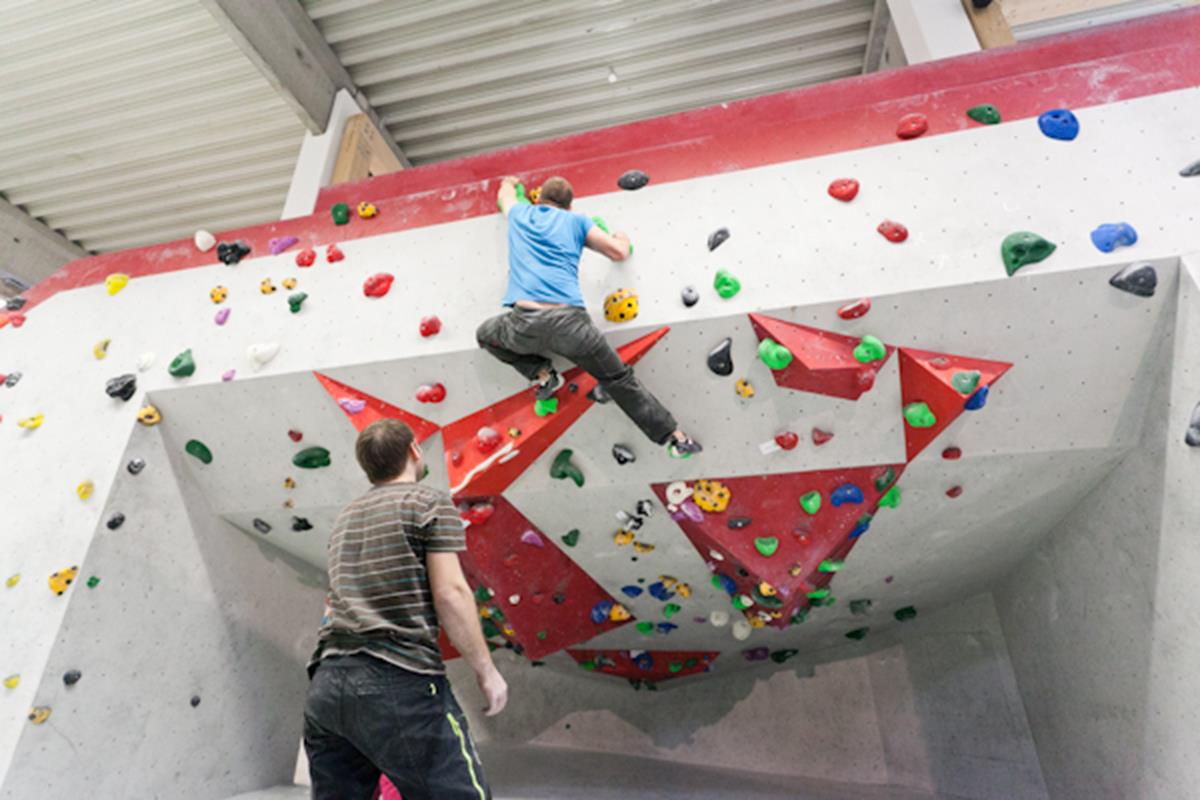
column 938, row 536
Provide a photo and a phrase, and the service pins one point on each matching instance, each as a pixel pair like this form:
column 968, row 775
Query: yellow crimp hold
column 60, row 580
column 766, row 589
column 289, row 483
column 623, row 537
column 85, row 489
column 100, row 349
column 116, row 282
column 266, row 287
column 39, row 714
column 668, row 580
column 32, row 423
column 684, row 590
column 149, row 415
column 12, row 681
column 13, row 580
column 367, row 210
column 289, row 283
column 619, row 613
column 744, row 388
column 642, row 547
column 757, row 622
column 711, row 496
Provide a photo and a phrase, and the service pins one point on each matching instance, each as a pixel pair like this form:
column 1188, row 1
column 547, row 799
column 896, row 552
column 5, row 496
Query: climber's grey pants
column 522, row 337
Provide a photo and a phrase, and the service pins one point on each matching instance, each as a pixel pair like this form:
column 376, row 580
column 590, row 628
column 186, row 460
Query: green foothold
column 311, row 458
column 521, row 196
column 541, row 636
column 741, row 602
column 885, row 480
column 571, row 537
column 766, row 545
column 725, row 284
column 589, row 665
column 906, row 613
column 823, row 601
column 861, row 607
column 490, row 631
column 798, row 616
column 919, row 415
column 674, row 666
column 601, row 224
column 767, row 601
column 296, row 300
column 200, row 450
column 93, row 582
column 780, row 656
column 986, row 113
column 645, row 628
column 562, row 468
column 811, row 502
column 773, row 354
column 1022, row 248
column 691, row 663
column 819, row 594
column 483, row 594
column 546, row 407
column 869, row 349
column 965, row 381
column 341, row 213
column 831, row 565
column 671, row 609
column 498, row 615
column 182, row 365
column 891, row 499
column 858, row 634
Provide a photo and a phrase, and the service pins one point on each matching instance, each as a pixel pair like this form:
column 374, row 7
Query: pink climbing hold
column 306, row 257
column 893, row 231
column 334, row 253
column 281, row 243
column 952, row 454
column 430, row 326
column 911, row 126
column 820, row 436
column 844, row 189
column 858, row 308
column 530, row 537
column 431, row 393
column 487, row 439
column 222, row 316
column 352, row 405
column 228, row 375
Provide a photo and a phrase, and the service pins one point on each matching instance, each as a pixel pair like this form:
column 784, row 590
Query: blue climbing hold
column 601, row 610
column 659, row 591
column 864, row 524
column 725, row 582
column 666, row 627
column 643, row 660
column 846, row 493
column 1110, row 236
column 1059, row 123
column 977, row 400
column 631, row 590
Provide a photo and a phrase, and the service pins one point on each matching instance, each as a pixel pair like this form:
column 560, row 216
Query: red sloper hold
column 375, row 409
column 912, row 125
column 858, row 308
column 772, row 502
column 306, row 257
column 844, row 189
column 498, row 559
column 480, row 473
column 925, row 377
column 378, row 284
column 653, row 666
column 823, row 362
column 892, row 231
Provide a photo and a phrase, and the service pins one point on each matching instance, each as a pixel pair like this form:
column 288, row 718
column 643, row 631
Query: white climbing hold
column 145, row 361
column 513, row 599
column 719, row 619
column 262, row 352
column 677, row 492
column 715, row 556
column 205, row 241
column 741, row 630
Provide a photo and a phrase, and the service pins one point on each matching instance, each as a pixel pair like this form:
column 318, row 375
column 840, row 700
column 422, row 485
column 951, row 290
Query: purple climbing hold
column 691, row 511
column 977, row 400
column 846, row 493
column 756, row 654
column 1137, row 279
column 1110, row 236
column 281, row 243
column 352, row 405
column 222, row 316
column 228, row 375
column 531, row 537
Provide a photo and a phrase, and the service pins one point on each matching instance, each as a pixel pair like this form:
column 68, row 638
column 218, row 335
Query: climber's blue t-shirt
column 544, row 245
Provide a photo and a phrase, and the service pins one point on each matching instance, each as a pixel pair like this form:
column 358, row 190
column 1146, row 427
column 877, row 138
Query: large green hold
column 891, row 499
column 311, row 458
column 725, row 284
column 545, row 406
column 562, row 468
column 1022, row 248
column 200, row 450
column 919, row 415
column 869, row 349
column 906, row 613
column 986, row 113
column 182, row 365
column 774, row 354
column 340, row 213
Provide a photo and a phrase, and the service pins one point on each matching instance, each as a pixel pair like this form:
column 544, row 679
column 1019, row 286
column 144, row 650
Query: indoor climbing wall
column 906, row 362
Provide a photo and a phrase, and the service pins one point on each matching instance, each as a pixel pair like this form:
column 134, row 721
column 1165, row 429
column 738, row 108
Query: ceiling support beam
column 29, row 248
column 281, row 40
column 991, row 27
column 881, row 24
column 932, row 29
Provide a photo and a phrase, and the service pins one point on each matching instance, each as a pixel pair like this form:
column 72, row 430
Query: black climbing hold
column 1192, row 437
column 623, row 454
column 689, row 296
column 301, row 524
column 1139, row 279
column 737, row 523
column 71, row 677
column 717, row 238
column 573, row 388
column 645, row 508
column 598, row 395
column 1190, row 171
column 12, row 379
column 232, row 252
column 720, row 359
column 121, row 387
column 115, row 521
column 559, row 599
column 981, row 4
column 262, row 526
column 195, row 700
column 634, row 179
column 17, row 303
column 135, row 465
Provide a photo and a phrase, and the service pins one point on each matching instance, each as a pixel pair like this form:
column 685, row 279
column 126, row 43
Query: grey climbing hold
column 71, row 677
column 12, row 379
column 301, row 524
column 717, row 238
column 737, row 523
column 262, row 526
column 1192, row 437
column 122, row 387
column 1139, row 279
column 623, row 454
column 17, row 303
column 599, row 395
column 720, row 358
column 633, row 179
column 195, row 700
column 689, row 296
column 135, row 465
column 860, row 607
column 1190, row 171
column 115, row 521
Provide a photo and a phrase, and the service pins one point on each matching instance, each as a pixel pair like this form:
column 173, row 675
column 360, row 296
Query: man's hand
column 613, row 245
column 510, row 179
column 495, row 690
column 506, row 198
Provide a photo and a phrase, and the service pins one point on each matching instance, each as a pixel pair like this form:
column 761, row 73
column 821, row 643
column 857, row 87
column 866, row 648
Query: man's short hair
column 382, row 449
column 557, row 191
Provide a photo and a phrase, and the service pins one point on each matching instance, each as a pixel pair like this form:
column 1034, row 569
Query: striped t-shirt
column 380, row 602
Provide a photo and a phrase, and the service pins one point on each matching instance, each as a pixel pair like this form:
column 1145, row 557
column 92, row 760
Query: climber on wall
column 547, row 314
column 378, row 701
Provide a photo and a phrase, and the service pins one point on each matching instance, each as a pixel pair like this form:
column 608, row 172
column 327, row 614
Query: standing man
column 545, row 242
column 378, row 701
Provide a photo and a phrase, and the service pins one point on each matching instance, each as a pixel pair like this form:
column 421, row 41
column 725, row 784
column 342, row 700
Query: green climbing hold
column 490, row 631
column 965, row 381
column 885, row 480
column 311, row 458
column 767, row 600
column 522, row 197
column 766, row 545
column 571, row 537
column 811, row 502
column 861, row 607
column 869, row 349
column 601, row 224
column 296, row 300
column 545, row 407
column 986, row 113
column 645, row 628
column 674, row 666
column 1022, row 248
column 200, row 450
column 798, row 616
column 819, row 594
column 773, row 354
column 541, row 636
column 780, row 656
column 93, row 582
column 919, row 415
column 858, row 634
column 741, row 602
column 671, row 609
column 341, row 213
column 182, row 365
column 589, row 665
column 725, row 284
column 906, row 613
column 891, row 499
column 831, row 565
column 822, row 601
column 483, row 594
column 562, row 468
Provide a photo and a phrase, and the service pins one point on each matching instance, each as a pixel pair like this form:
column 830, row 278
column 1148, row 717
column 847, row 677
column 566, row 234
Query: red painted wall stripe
column 1101, row 65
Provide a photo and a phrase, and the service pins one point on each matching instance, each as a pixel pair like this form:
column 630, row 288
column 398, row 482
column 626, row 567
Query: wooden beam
column 363, row 152
column 991, row 27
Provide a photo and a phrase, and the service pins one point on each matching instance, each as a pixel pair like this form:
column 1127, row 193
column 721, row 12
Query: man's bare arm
column 613, row 245
column 458, row 615
column 506, row 198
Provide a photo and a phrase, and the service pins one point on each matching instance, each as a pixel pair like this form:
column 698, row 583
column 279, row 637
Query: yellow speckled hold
column 149, row 415
column 289, row 483
column 13, row 580
column 60, row 580
column 266, row 287
column 623, row 537
column 100, row 349
column 711, row 496
column 116, row 282
column 366, row 210
column 621, row 306
column 289, row 283
column 619, row 613
column 744, row 388
column 684, row 590
column 39, row 714
column 766, row 589
column 218, row 294
column 32, row 423
column 85, row 489
column 642, row 547
column 12, row 681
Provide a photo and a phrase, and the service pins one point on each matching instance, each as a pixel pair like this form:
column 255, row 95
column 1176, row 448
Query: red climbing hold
column 430, row 326
column 954, row 491
column 952, row 454
column 295, row 435
column 431, row 393
column 456, row 458
column 487, row 439
column 306, row 257
column 16, row 320
column 912, row 125
column 844, row 189
column 478, row 513
column 334, row 253
column 858, row 308
column 892, row 231
column 823, row 362
column 927, row 377
column 374, row 409
column 787, row 440
column 820, row 436
column 378, row 284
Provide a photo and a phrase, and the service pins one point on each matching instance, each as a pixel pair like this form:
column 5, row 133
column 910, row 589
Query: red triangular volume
column 476, row 471
column 822, row 361
column 650, row 666
column 803, row 540
column 374, row 409
column 928, row 377
column 554, row 598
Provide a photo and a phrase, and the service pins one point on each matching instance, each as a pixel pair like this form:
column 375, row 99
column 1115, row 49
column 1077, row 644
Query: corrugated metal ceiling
column 135, row 121
column 454, row 77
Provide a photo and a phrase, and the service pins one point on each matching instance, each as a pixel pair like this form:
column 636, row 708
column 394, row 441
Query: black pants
column 365, row 717
column 522, row 337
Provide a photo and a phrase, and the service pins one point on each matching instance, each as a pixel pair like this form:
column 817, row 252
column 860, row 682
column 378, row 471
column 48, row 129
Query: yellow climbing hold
column 149, row 415
column 621, row 306
column 619, row 613
column 623, row 537
column 39, row 714
column 289, row 483
column 85, row 489
column 766, row 589
column 642, row 547
column 116, row 282
column 744, row 388
column 60, row 580
column 289, row 283
column 711, row 496
column 12, row 681
column 13, row 580
column 100, row 349
column 32, row 423
column 684, row 590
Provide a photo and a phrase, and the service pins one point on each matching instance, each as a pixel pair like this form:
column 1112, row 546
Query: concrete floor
column 529, row 773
